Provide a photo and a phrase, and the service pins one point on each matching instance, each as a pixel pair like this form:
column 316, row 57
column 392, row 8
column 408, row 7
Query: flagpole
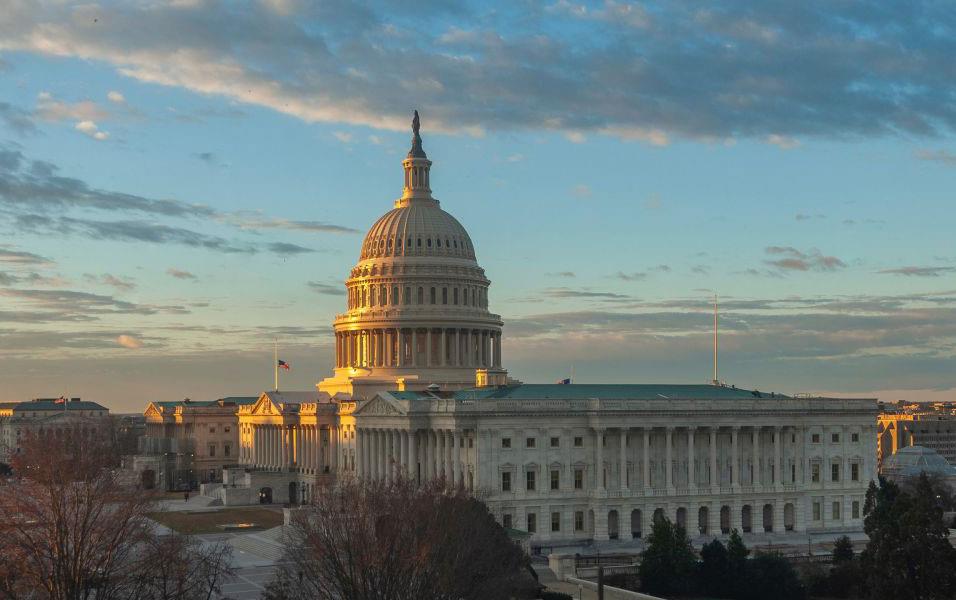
column 275, row 363
column 716, row 380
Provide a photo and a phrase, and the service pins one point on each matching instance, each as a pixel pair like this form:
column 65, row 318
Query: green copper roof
column 653, row 391
column 60, row 406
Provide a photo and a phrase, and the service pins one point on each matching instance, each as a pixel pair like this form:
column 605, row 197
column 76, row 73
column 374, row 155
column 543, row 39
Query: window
column 793, row 473
column 505, row 442
column 532, row 522
column 555, row 442
column 506, row 481
column 815, row 438
column 555, row 521
column 455, row 295
column 408, row 295
column 854, row 437
column 855, row 509
column 815, row 473
column 226, row 450
column 432, row 295
column 444, row 295
column 578, row 442
column 816, row 511
column 855, row 472
column 394, row 294
column 834, row 472
column 226, row 428
column 530, row 481
column 579, row 479
column 555, row 480
column 836, row 510
column 212, row 429
column 579, row 520
column 529, row 443
column 506, row 521
column 421, row 295
column 835, row 438
column 212, row 449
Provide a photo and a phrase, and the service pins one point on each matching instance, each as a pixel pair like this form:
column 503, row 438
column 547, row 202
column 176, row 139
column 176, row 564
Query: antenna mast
column 716, row 381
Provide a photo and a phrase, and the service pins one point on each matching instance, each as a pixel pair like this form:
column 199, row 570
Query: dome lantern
column 417, row 171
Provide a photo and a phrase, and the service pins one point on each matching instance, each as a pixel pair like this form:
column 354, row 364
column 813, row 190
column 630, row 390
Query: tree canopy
column 668, row 562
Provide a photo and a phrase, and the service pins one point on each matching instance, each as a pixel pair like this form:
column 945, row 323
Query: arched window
column 389, row 245
column 371, row 296
column 455, row 242
column 409, row 242
column 363, row 297
column 383, row 299
column 429, row 242
column 419, row 242
column 432, row 295
column 444, row 295
column 455, row 295
column 438, row 241
column 408, row 295
column 421, row 295
column 394, row 294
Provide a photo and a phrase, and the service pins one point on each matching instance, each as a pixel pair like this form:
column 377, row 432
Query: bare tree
column 72, row 527
column 365, row 539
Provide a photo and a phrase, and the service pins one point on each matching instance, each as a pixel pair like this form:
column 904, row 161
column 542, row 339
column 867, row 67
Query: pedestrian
column 186, row 496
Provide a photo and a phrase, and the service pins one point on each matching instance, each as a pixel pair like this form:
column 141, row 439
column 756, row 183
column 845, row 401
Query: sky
column 184, row 181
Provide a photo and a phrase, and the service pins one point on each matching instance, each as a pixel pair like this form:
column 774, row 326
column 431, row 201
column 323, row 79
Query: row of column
column 420, row 455
column 669, row 464
column 311, row 448
column 418, row 347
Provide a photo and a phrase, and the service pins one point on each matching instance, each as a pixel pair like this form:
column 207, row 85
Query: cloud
column 653, row 202
column 343, row 136
column 180, row 274
column 581, row 191
column 16, row 119
column 90, row 128
column 19, row 257
column 563, row 293
column 783, row 142
column 515, row 158
column 635, row 276
column 327, row 289
column 207, row 157
column 731, row 70
column 257, row 223
column 122, row 284
column 795, row 260
column 129, row 341
column 116, row 97
column 287, row 249
column 919, row 271
column 50, row 109
column 941, row 156
column 561, row 274
column 72, row 302
column 805, row 217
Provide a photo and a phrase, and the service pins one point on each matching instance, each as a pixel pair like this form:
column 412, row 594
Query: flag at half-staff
column 283, row 365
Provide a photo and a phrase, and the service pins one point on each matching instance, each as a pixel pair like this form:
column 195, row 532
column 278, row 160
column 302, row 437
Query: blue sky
column 180, row 182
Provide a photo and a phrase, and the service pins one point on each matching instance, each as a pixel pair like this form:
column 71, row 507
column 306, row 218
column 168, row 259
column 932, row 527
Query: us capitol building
column 419, row 387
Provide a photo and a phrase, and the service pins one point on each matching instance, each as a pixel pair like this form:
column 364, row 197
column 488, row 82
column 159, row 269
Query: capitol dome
column 913, row 460
column 417, row 300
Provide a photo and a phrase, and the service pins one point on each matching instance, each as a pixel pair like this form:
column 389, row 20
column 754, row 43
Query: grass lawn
column 209, row 521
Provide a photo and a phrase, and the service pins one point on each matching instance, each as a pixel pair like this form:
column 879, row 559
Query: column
column 414, row 334
column 413, row 455
column 498, row 349
column 714, row 480
column 456, row 455
column 646, row 462
column 599, row 461
column 426, row 454
column 777, row 465
column 756, row 477
column 403, row 451
column 735, row 459
column 429, row 359
column 623, row 459
column 669, row 461
column 400, row 359
column 691, row 459
column 363, row 452
column 455, row 355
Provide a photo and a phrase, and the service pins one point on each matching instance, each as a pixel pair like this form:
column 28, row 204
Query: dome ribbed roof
column 417, row 229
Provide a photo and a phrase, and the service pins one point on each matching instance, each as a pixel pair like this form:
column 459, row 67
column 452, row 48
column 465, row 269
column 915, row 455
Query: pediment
column 379, row 406
column 265, row 406
column 152, row 411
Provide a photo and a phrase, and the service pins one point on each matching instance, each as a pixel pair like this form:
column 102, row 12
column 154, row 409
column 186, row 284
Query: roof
column 44, row 404
column 913, row 460
column 228, row 400
column 297, row 397
column 652, row 391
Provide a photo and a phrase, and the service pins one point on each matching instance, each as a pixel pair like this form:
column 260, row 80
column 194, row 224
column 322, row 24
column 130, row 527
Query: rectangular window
column 815, row 438
column 455, row 295
column 579, row 520
column 226, row 428
column 579, row 479
column 506, row 521
column 529, row 443
column 555, row 480
column 835, row 438
column 555, row 521
column 212, row 429
column 444, row 295
column 506, row 481
column 855, row 472
column 578, row 442
column 815, row 473
column 212, row 450
column 432, row 295
column 835, row 472
column 793, row 473
column 816, row 511
column 505, row 442
column 532, row 522
column 555, row 442
column 855, row 508
column 226, row 450
column 836, row 511
column 854, row 437
column 529, row 480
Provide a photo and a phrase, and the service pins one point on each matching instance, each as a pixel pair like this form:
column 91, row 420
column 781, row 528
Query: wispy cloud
column 632, row 276
column 796, row 260
column 327, row 289
column 20, row 257
column 122, row 284
column 180, row 274
column 561, row 274
column 256, row 222
column 941, row 156
column 919, row 271
column 129, row 341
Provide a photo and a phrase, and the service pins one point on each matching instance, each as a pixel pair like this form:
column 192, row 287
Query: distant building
column 188, row 442
column 47, row 416
column 909, row 462
column 917, row 426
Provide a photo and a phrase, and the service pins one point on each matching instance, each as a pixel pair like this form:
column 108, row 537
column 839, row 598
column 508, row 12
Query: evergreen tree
column 842, row 550
column 712, row 579
column 770, row 575
column 908, row 555
column 737, row 554
column 668, row 563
